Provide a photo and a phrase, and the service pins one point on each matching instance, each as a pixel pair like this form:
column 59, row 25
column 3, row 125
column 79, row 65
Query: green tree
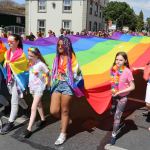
column 148, row 24
column 140, row 21
column 121, row 14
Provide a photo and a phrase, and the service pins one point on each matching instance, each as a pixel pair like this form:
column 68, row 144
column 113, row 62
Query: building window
column 95, row 26
column 67, row 5
column 18, row 20
column 100, row 14
column 41, row 26
column 96, row 9
column 66, row 24
column 91, row 7
column 99, row 26
column 41, row 5
column 90, row 25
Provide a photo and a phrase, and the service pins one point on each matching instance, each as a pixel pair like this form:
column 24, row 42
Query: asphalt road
column 88, row 131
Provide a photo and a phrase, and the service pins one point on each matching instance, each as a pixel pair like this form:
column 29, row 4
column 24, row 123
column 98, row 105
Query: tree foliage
column 148, row 24
column 121, row 14
column 140, row 21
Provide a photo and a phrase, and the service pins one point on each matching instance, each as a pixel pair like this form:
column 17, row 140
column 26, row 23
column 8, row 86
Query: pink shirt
column 125, row 80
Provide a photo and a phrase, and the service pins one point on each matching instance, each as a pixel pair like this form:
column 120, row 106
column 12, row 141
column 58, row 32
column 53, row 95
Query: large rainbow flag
column 95, row 56
column 130, row 38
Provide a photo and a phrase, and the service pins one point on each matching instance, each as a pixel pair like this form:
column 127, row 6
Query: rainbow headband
column 31, row 49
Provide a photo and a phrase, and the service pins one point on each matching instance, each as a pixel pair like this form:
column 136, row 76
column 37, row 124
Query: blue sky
column 137, row 5
column 20, row 1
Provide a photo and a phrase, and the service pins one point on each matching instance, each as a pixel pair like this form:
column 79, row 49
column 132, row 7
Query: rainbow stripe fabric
column 130, row 38
column 2, row 51
column 18, row 65
column 96, row 56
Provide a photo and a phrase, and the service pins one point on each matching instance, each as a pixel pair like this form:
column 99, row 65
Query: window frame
column 63, row 25
column 91, row 7
column 45, row 5
column 90, row 25
column 96, row 9
column 18, row 20
column 67, row 5
column 40, row 27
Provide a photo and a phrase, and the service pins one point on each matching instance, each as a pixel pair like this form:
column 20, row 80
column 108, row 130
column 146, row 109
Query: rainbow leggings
column 120, row 103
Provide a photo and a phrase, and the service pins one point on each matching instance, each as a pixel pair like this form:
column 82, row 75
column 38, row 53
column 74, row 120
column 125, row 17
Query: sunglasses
column 11, row 42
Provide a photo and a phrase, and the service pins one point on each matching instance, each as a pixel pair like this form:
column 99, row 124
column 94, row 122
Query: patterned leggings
column 120, row 103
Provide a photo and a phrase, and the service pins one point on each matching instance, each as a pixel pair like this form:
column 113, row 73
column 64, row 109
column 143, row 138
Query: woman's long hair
column 124, row 55
column 68, row 50
column 67, row 46
column 18, row 38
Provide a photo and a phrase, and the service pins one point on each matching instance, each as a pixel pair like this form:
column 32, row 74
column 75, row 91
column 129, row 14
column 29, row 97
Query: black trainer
column 113, row 140
column 41, row 123
column 27, row 133
column 146, row 113
column 121, row 126
column 7, row 128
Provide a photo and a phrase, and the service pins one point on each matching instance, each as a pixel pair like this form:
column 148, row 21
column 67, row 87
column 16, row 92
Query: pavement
column 88, row 130
column 85, row 133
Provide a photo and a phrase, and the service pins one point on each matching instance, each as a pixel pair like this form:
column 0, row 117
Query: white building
column 75, row 15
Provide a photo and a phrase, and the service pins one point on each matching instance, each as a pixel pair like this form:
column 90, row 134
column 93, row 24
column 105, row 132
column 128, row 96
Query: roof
column 18, row 11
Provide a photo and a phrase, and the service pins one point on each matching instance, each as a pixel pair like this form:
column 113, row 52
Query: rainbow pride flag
column 2, row 51
column 95, row 56
column 130, row 38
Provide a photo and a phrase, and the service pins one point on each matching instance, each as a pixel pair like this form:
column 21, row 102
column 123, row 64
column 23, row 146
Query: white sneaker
column 61, row 139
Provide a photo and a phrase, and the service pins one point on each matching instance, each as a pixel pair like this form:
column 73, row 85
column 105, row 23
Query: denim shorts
column 63, row 88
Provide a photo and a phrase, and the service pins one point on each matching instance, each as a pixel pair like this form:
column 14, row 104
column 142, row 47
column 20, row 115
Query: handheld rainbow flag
column 2, row 51
column 18, row 64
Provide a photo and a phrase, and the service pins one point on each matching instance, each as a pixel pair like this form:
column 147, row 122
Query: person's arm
column 46, row 71
column 138, row 68
column 129, row 89
column 47, row 79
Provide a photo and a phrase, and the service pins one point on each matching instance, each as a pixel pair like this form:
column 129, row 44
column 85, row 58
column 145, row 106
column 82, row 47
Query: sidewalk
column 91, row 133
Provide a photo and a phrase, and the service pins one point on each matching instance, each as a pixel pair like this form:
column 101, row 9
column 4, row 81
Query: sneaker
column 122, row 125
column 7, row 128
column 25, row 113
column 61, row 139
column 146, row 113
column 27, row 133
column 41, row 123
column 113, row 140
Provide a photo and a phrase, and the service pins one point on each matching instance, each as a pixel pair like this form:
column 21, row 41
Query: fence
column 14, row 29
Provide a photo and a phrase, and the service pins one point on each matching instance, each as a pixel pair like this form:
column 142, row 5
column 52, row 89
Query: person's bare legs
column 35, row 104
column 65, row 110
column 41, row 111
column 55, row 104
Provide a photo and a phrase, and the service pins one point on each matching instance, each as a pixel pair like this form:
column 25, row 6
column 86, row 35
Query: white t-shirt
column 37, row 80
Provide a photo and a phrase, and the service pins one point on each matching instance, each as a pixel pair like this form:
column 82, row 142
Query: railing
column 15, row 29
